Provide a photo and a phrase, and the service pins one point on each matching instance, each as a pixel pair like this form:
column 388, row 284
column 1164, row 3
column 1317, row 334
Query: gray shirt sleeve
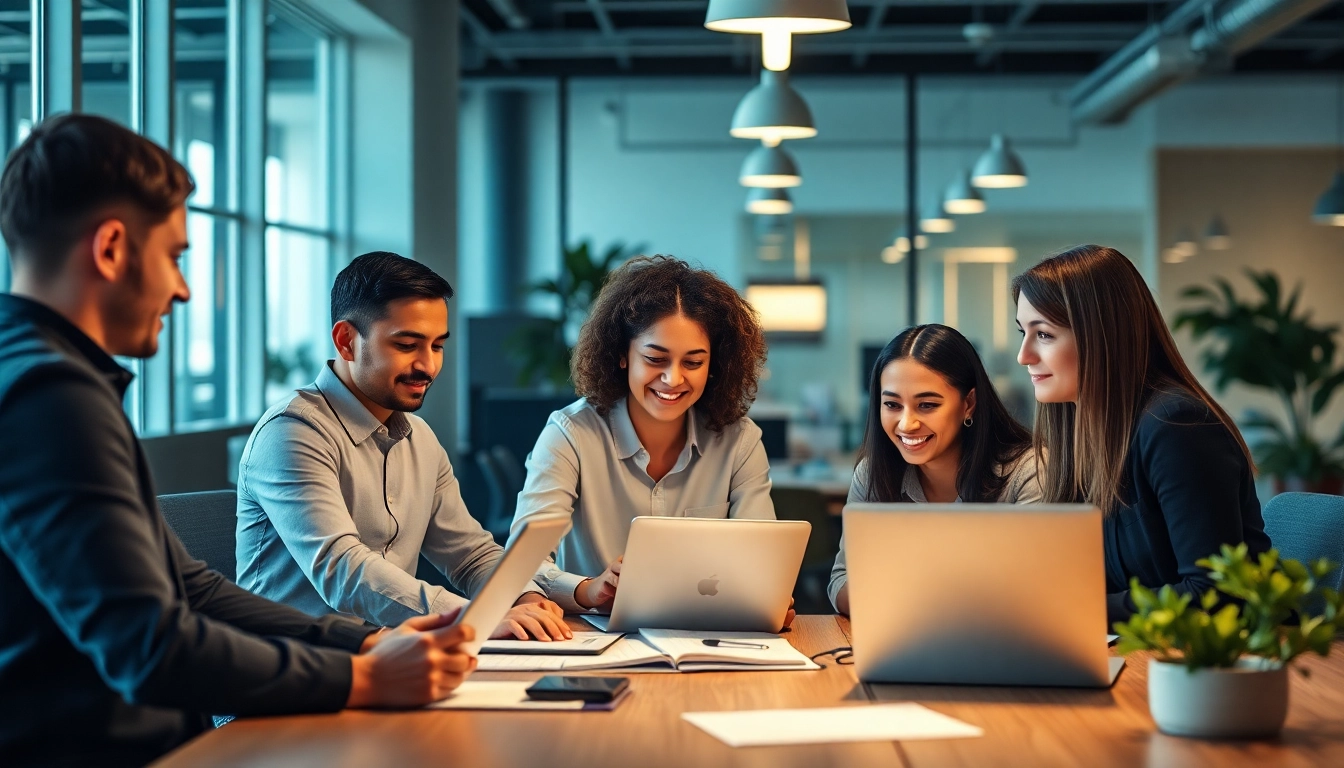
column 750, row 494
column 1024, row 481
column 839, row 572
column 455, row 542
column 552, row 488
column 293, row 474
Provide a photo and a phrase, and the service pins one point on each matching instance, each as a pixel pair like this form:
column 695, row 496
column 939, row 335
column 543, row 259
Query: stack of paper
column 882, row 722
column 511, row 694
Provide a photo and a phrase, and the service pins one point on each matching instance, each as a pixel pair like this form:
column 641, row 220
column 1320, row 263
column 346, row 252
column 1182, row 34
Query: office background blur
column 486, row 137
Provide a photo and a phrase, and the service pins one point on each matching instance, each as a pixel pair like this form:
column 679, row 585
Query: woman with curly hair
column 667, row 365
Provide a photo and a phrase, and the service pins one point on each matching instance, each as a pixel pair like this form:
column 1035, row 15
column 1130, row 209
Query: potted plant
column 1220, row 668
column 543, row 349
column 1269, row 343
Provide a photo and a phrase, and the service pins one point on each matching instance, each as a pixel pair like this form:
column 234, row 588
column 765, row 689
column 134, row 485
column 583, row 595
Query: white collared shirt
column 594, row 469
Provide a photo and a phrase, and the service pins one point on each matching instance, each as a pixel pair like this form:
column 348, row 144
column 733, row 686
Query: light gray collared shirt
column 335, row 508
column 594, row 469
column 1023, row 487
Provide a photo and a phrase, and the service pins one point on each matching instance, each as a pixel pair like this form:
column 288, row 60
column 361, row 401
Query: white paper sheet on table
column 879, row 722
column 512, row 694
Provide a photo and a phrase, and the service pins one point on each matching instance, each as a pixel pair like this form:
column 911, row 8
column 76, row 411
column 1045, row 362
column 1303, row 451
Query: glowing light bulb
column 776, row 49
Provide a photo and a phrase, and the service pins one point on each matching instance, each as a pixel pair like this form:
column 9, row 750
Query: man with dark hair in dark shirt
column 115, row 644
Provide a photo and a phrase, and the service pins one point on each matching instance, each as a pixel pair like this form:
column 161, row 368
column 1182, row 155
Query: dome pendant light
column 773, row 111
column 769, row 167
column 1330, row 207
column 999, row 167
column 767, row 201
column 777, row 21
column 962, row 197
column 1216, row 237
column 936, row 221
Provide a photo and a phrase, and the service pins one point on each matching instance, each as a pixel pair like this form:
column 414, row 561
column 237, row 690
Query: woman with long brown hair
column 1127, row 426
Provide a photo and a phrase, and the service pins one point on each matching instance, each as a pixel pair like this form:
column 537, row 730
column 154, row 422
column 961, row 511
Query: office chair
column 206, row 522
column 511, row 472
column 496, row 519
column 822, row 545
column 1309, row 526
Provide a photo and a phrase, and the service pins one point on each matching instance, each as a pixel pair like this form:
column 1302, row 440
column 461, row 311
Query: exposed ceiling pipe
column 1244, row 24
column 1163, row 56
column 509, row 12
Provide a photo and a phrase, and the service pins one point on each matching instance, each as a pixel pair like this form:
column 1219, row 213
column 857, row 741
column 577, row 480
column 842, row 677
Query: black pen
column 715, row 643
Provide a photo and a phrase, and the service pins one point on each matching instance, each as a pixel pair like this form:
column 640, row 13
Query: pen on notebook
column 715, row 643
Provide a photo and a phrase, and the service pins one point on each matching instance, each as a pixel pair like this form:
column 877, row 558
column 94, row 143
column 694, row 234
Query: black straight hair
column 993, row 441
column 373, row 280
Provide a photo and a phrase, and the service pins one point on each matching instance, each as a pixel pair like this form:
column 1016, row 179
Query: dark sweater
column 1187, row 490
column 115, row 644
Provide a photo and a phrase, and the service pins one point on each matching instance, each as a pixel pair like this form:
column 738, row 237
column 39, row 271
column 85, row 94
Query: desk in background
column 1023, row 726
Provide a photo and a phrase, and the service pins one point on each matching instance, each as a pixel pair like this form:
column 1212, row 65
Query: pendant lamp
column 1216, row 237
column 1330, row 207
column 999, row 167
column 777, row 21
column 773, row 111
column 962, row 197
column 902, row 241
column 769, row 167
column 769, row 201
column 935, row 220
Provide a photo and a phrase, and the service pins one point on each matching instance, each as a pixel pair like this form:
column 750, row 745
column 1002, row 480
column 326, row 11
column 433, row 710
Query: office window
column 16, row 97
column 206, row 356
column 105, row 57
column 206, row 375
column 299, row 267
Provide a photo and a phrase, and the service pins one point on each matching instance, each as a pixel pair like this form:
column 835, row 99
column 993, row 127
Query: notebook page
column 629, row 651
column 689, row 648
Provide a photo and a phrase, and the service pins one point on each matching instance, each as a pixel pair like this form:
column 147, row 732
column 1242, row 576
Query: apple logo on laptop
column 709, row 587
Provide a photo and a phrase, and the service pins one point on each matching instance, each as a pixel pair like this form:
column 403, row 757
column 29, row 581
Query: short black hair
column 70, row 167
column 368, row 284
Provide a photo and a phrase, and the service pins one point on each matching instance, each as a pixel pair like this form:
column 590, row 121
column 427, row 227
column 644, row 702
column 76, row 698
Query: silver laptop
column 528, row 546
column 708, row 574
column 978, row 594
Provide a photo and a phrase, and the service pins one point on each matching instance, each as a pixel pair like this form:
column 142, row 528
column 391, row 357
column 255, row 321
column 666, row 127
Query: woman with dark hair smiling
column 667, row 364
column 937, row 433
column 1128, row 428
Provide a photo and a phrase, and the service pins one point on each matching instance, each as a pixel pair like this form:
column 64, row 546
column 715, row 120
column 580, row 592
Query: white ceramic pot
column 1247, row 701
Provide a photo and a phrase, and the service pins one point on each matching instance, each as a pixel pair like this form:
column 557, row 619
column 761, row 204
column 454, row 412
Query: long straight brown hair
column 1125, row 354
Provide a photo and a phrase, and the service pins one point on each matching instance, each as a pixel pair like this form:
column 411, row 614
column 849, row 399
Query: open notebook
column 665, row 650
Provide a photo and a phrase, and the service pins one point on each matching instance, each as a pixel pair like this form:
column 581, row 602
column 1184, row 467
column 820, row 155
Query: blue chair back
column 1309, row 526
column 207, row 524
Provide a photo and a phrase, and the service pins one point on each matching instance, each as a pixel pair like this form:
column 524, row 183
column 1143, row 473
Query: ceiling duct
column 1163, row 55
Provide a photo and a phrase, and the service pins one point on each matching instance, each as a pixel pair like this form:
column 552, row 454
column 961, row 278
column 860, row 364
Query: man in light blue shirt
column 341, row 489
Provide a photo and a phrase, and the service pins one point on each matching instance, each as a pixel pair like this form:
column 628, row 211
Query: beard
column 130, row 312
column 394, row 401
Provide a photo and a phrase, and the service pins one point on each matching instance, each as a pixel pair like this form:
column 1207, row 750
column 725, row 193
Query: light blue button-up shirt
column 335, row 509
column 594, row 469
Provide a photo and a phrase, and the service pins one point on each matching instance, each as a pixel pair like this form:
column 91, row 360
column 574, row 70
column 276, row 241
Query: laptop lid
column 529, row 546
column 708, row 574
column 978, row 594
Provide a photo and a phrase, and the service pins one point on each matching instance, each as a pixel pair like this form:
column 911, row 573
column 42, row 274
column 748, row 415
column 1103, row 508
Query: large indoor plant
column 543, row 348
column 1220, row 665
column 1270, row 343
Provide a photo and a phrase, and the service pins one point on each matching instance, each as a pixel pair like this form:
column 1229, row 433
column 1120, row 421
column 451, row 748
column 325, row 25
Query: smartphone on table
column 597, row 690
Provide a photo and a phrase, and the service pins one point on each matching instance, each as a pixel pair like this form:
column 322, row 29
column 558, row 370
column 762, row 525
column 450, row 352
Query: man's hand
column 535, row 616
column 417, row 663
column 601, row 591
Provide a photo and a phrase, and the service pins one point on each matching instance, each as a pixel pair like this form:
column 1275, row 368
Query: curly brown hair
column 647, row 289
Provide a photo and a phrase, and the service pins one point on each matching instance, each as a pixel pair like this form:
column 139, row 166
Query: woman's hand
column 599, row 592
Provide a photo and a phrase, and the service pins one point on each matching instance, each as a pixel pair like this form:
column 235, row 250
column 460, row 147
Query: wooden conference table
column 1023, row 726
